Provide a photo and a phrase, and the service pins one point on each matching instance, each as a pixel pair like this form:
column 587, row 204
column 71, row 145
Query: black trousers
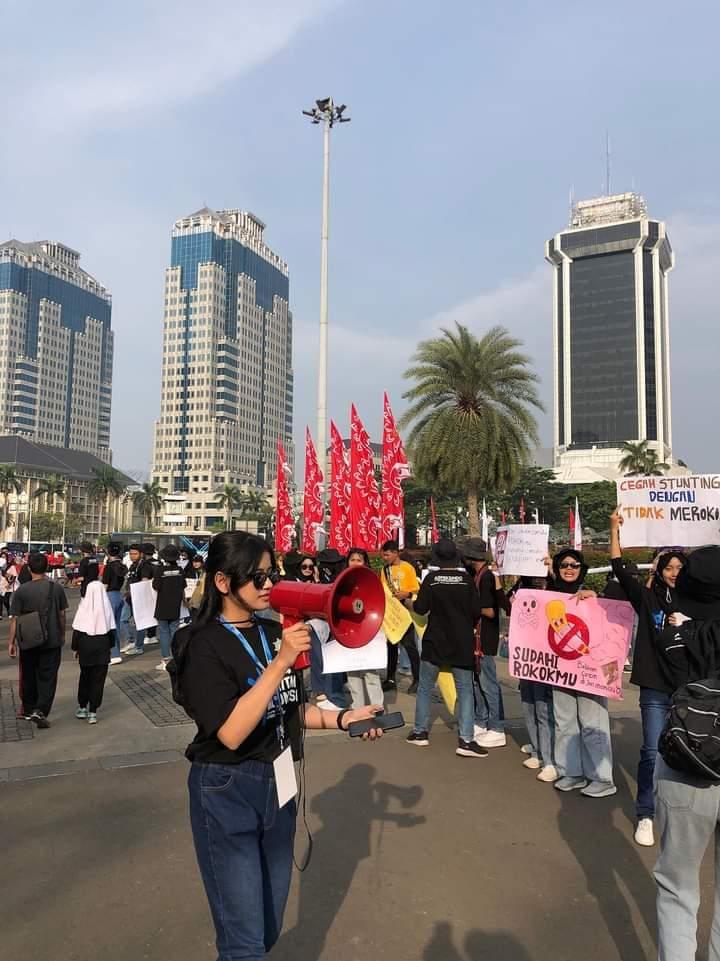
column 91, row 686
column 5, row 602
column 410, row 645
column 39, row 672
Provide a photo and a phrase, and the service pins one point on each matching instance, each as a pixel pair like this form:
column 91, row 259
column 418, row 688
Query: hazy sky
column 471, row 121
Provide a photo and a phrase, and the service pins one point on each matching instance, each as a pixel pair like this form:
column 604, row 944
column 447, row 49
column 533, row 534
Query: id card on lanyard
column 284, row 769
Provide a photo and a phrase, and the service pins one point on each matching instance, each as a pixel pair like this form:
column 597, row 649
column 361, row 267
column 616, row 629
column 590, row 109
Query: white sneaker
column 533, row 763
column 151, row 640
column 116, row 660
column 478, row 731
column 492, row 739
column 162, row 666
column 326, row 705
column 644, row 834
column 548, row 774
column 127, row 648
column 527, row 748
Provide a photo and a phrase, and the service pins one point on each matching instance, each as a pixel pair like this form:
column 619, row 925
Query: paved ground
column 417, row 854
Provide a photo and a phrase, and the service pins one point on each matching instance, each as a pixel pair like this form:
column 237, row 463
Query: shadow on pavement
column 479, row 946
column 346, row 811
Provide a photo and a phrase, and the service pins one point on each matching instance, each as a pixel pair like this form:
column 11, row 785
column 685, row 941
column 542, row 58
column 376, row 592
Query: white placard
column 338, row 659
column 679, row 511
column 144, row 599
column 520, row 549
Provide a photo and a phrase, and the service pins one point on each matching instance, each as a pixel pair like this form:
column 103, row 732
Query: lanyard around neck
column 249, row 650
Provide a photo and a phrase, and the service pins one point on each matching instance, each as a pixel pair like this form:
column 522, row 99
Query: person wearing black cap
column 450, row 599
column 583, row 750
column 169, row 582
column 688, row 807
column 652, row 604
column 489, row 713
column 113, row 578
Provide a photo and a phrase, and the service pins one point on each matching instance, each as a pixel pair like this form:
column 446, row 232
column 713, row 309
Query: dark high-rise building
column 610, row 334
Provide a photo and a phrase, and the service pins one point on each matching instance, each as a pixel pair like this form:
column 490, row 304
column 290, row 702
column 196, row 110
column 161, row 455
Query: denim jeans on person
column 489, row 708
column 117, row 602
column 582, row 736
column 654, row 706
column 128, row 632
column 166, row 632
column 537, row 705
column 465, row 701
column 244, row 847
column 331, row 685
column 688, row 818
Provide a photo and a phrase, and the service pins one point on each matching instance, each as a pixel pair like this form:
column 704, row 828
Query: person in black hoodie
column 688, row 807
column 652, row 605
column 169, row 582
column 450, row 599
column 583, row 750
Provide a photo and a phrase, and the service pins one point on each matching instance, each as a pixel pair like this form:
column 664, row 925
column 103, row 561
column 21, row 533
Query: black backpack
column 690, row 740
column 176, row 666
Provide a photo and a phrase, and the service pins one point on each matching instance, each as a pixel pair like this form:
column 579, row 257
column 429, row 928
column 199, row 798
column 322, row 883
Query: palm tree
column 641, row 459
column 255, row 502
column 148, row 501
column 231, row 498
column 105, row 483
column 471, row 418
column 52, row 487
column 9, row 483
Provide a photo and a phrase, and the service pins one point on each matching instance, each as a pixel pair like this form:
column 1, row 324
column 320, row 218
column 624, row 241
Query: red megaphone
column 353, row 605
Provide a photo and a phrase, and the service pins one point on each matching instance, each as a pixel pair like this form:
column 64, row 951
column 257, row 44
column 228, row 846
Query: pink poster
column 559, row 640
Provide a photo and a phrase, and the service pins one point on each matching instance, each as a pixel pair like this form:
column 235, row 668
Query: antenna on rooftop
column 607, row 163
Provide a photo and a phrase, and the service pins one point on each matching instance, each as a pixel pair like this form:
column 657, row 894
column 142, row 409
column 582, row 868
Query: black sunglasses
column 260, row 578
column 306, row 567
column 570, row 567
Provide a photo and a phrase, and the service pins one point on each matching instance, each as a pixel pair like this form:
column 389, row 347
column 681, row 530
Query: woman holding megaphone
column 233, row 673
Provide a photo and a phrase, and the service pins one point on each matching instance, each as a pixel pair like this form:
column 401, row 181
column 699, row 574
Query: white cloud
column 94, row 66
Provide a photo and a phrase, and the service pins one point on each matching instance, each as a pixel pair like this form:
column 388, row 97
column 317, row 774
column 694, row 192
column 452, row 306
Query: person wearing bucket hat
column 449, row 597
column 489, row 712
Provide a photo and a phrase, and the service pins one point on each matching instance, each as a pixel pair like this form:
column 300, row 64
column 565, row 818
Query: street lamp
column 326, row 113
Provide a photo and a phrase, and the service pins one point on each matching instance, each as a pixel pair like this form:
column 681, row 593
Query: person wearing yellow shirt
column 403, row 584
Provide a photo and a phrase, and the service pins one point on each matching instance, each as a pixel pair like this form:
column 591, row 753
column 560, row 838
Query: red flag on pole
column 503, row 517
column 340, row 494
column 395, row 469
column 365, row 499
column 284, row 522
column 433, row 520
column 312, row 498
column 571, row 525
column 521, row 512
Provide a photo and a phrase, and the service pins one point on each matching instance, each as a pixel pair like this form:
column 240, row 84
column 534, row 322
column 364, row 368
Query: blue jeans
column 582, row 736
column 129, row 633
column 688, row 816
column 244, row 847
column 331, row 685
column 166, row 632
column 537, row 705
column 465, row 701
column 654, row 706
column 489, row 708
column 117, row 602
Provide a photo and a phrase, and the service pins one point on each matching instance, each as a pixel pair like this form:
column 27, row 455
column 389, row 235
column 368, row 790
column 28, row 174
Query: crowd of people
column 231, row 668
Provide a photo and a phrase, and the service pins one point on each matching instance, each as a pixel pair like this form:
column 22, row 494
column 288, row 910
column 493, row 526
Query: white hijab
column 94, row 615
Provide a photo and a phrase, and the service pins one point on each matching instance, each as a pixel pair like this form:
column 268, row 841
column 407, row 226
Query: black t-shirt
column 48, row 599
column 489, row 626
column 452, row 603
column 89, row 570
column 169, row 582
column 216, row 672
column 114, row 574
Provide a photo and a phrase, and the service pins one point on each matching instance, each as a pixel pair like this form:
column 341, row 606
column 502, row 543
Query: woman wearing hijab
column 652, row 604
column 583, row 750
column 92, row 641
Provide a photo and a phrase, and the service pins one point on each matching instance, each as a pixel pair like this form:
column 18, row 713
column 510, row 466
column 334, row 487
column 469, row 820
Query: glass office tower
column 610, row 332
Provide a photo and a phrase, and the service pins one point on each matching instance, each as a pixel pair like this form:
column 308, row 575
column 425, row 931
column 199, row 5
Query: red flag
column 340, row 494
column 365, row 499
column 395, row 469
column 284, row 522
column 312, row 498
column 503, row 517
column 433, row 519
column 571, row 524
column 521, row 512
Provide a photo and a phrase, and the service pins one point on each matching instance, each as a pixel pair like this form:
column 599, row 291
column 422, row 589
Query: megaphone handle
column 302, row 661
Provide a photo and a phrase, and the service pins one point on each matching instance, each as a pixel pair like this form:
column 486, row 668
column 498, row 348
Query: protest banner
column 144, row 598
column 682, row 511
column 520, row 549
column 397, row 617
column 580, row 645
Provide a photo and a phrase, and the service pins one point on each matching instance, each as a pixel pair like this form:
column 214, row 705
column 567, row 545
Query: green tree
column 596, row 502
column 230, row 499
column 105, row 484
column 52, row 487
column 10, row 483
column 148, row 501
column 47, row 526
column 471, row 413
column 640, row 458
column 255, row 503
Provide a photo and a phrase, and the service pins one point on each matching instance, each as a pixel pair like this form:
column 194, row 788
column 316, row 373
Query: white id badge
column 285, row 780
